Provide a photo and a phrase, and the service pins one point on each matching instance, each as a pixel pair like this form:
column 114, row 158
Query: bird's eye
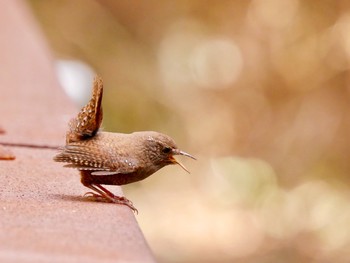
column 166, row 150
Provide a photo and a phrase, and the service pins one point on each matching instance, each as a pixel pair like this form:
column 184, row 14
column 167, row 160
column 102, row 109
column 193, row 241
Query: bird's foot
column 124, row 201
column 112, row 199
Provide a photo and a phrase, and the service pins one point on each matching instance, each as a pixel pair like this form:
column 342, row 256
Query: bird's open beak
column 178, row 152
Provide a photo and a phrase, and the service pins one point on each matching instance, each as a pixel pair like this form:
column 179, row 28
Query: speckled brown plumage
column 113, row 158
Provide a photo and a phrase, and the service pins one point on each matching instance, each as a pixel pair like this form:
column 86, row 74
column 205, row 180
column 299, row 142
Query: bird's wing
column 99, row 162
column 86, row 124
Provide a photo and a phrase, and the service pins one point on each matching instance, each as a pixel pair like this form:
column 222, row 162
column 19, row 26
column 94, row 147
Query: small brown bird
column 113, row 158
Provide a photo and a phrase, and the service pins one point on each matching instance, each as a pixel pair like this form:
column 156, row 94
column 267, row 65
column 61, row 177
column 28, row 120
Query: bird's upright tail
column 88, row 121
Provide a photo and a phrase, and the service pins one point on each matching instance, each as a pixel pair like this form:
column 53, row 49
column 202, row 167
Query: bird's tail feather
column 88, row 121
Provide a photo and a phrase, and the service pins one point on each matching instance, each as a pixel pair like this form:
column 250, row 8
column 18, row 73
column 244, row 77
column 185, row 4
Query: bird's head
column 161, row 150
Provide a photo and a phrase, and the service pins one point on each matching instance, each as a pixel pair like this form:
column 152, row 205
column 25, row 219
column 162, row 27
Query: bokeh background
column 257, row 90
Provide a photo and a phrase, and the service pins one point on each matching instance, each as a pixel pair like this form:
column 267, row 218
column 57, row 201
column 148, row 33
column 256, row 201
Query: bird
column 108, row 158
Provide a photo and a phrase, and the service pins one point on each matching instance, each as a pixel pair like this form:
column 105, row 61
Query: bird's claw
column 112, row 199
column 124, row 201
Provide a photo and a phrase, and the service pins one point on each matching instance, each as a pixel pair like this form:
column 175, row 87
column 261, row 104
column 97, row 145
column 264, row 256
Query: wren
column 106, row 158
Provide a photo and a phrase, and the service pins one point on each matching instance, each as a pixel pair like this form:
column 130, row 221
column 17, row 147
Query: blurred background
column 257, row 90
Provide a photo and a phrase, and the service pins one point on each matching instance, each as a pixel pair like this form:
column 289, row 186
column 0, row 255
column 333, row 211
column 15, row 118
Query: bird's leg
column 105, row 190
column 109, row 196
